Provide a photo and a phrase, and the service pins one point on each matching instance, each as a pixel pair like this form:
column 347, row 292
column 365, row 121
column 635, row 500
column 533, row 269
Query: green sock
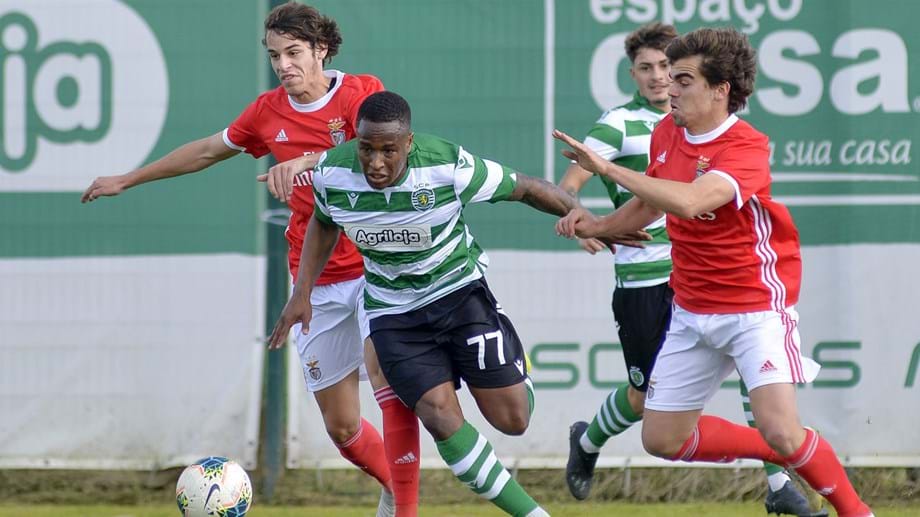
column 614, row 417
column 531, row 400
column 472, row 460
column 749, row 416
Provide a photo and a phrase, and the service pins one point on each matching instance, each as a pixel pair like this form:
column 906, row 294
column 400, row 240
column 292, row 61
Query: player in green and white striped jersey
column 642, row 298
column 399, row 197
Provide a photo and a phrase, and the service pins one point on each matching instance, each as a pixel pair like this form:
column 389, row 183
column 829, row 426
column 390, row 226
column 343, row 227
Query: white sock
column 537, row 512
column 587, row 445
column 778, row 480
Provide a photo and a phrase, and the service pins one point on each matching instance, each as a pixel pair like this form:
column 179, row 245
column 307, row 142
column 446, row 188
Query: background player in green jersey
column 642, row 298
column 400, row 197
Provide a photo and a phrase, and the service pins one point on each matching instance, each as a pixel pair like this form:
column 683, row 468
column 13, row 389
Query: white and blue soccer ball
column 214, row 487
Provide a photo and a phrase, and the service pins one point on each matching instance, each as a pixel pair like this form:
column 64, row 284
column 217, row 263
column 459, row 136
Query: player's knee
column 440, row 417
column 661, row 445
column 342, row 430
column 514, row 423
column 782, row 439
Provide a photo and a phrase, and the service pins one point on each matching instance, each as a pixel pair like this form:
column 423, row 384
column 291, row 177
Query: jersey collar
column 643, row 102
column 320, row 103
column 711, row 135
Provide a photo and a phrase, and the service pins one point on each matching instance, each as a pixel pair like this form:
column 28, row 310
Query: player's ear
column 409, row 141
column 320, row 51
column 722, row 90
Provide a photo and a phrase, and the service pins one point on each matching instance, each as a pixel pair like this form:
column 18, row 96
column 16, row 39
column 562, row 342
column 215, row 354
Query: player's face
column 295, row 62
column 383, row 149
column 650, row 72
column 696, row 104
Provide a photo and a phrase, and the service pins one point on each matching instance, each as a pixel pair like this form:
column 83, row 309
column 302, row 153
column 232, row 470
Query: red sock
column 400, row 432
column 716, row 439
column 816, row 462
column 365, row 450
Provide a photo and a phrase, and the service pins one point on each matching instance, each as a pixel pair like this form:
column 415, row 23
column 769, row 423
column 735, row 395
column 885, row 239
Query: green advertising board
column 127, row 84
column 836, row 92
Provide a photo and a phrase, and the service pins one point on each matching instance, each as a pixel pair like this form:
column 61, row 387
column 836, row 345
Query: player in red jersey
column 313, row 109
column 737, row 270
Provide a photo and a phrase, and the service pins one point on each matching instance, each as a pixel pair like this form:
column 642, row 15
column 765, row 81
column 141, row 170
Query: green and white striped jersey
column 415, row 244
column 622, row 135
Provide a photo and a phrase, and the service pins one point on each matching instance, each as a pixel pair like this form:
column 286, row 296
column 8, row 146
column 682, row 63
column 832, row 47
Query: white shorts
column 700, row 350
column 334, row 347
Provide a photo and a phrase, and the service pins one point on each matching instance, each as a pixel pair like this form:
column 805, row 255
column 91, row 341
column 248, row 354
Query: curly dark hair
column 386, row 107
column 654, row 35
column 305, row 23
column 727, row 57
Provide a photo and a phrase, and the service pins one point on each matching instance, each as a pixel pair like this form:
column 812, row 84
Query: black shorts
column 643, row 315
column 463, row 335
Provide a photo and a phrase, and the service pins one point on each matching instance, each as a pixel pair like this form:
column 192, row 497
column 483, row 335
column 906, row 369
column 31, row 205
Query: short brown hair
column 654, row 35
column 727, row 57
column 305, row 23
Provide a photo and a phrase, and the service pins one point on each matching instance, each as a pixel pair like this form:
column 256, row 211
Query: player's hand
column 103, row 186
column 580, row 153
column 297, row 310
column 575, row 223
column 592, row 246
column 280, row 178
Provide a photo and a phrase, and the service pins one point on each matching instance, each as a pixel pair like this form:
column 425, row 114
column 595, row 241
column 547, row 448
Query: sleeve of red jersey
column 746, row 166
column 369, row 84
column 243, row 135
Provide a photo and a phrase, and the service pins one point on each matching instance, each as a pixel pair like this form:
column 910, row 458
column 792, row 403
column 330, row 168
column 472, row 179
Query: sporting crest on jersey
column 423, row 199
column 337, row 131
column 702, row 164
column 635, row 375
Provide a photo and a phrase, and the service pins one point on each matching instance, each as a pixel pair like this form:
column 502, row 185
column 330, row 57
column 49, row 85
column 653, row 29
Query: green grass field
column 477, row 510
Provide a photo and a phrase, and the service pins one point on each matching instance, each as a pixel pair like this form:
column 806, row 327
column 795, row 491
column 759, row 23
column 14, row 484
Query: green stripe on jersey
column 639, row 271
column 377, row 201
column 460, row 258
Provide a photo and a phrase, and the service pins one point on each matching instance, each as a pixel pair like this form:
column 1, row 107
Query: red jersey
column 743, row 256
column 275, row 124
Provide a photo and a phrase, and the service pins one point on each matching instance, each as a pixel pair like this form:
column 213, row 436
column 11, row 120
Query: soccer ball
column 214, row 487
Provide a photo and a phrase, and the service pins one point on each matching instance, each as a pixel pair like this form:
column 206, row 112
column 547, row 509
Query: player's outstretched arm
column 543, row 195
column 191, row 157
column 318, row 244
column 280, row 178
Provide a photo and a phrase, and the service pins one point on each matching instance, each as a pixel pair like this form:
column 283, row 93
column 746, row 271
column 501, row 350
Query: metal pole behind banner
column 274, row 401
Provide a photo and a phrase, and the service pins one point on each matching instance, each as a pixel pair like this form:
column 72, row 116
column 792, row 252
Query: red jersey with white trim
column 275, row 124
column 743, row 256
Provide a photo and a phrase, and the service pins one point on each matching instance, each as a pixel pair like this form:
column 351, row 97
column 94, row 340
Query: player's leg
column 400, row 437
column 642, row 316
column 489, row 356
column 803, row 449
column 469, row 454
column 331, row 355
column 687, row 373
column 768, row 357
column 400, row 425
column 783, row 497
